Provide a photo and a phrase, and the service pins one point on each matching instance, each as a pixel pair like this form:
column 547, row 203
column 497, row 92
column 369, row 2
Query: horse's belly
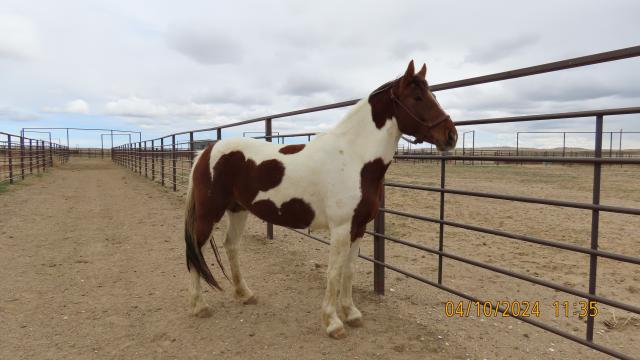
column 319, row 223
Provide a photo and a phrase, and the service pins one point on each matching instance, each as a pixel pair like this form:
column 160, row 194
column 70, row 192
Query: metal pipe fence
column 22, row 156
column 179, row 149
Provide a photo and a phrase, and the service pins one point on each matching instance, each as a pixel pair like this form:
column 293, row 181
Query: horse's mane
column 384, row 86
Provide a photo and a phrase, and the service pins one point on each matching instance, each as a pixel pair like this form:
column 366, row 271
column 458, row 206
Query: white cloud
column 12, row 114
column 502, row 49
column 134, row 107
column 77, row 106
column 18, row 38
column 205, row 45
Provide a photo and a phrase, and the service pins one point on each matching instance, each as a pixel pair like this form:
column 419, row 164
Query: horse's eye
column 417, row 98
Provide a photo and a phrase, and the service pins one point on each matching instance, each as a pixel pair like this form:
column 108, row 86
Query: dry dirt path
column 92, row 266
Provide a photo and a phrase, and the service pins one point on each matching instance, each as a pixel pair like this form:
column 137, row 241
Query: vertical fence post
column 10, row 153
column 153, row 160
column 191, row 147
column 162, row 161
column 37, row 157
column 463, row 145
column 22, row 157
column 378, row 247
column 30, row 157
column 595, row 222
column 173, row 161
column 441, row 226
column 44, row 157
column 119, row 148
column 611, row 144
column 219, row 133
column 473, row 145
column 50, row 154
column 134, row 153
column 268, row 133
column 145, row 158
column 139, row 157
column 192, row 154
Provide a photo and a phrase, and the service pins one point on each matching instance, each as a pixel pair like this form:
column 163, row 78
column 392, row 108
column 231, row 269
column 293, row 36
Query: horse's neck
column 361, row 136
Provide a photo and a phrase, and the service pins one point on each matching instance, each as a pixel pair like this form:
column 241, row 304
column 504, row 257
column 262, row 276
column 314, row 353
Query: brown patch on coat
column 291, row 149
column 206, row 211
column 381, row 109
column 371, row 177
column 295, row 213
column 237, row 181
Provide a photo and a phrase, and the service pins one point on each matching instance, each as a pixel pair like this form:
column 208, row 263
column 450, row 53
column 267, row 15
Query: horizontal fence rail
column 168, row 160
column 22, row 156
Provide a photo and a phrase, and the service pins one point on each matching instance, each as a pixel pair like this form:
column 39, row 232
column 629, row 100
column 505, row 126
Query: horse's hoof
column 203, row 312
column 356, row 323
column 338, row 333
column 251, row 300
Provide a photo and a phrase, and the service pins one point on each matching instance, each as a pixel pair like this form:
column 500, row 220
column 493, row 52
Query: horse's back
column 250, row 148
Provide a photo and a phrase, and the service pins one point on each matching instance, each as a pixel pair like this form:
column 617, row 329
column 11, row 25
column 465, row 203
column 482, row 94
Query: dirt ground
column 92, row 262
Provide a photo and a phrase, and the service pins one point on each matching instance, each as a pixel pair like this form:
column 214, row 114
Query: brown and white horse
column 332, row 182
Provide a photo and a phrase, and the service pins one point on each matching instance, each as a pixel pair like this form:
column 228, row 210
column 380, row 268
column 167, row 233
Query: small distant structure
column 201, row 144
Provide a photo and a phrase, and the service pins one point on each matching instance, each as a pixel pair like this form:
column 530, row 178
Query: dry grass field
column 109, row 274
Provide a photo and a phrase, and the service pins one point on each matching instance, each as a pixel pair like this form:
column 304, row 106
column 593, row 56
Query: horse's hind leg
column 237, row 221
column 199, row 306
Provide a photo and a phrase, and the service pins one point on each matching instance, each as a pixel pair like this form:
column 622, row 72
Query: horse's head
column 417, row 111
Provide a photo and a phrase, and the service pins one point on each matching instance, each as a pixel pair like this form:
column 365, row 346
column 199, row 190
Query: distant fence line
column 22, row 156
column 477, row 155
column 168, row 160
column 90, row 152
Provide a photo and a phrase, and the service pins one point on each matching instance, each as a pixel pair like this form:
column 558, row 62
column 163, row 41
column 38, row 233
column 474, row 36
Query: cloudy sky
column 165, row 66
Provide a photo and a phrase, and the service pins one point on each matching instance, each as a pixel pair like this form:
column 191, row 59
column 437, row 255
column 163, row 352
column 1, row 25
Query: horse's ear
column 423, row 71
column 408, row 75
column 410, row 71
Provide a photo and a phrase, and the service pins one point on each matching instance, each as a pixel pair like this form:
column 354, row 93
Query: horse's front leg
column 338, row 254
column 352, row 316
